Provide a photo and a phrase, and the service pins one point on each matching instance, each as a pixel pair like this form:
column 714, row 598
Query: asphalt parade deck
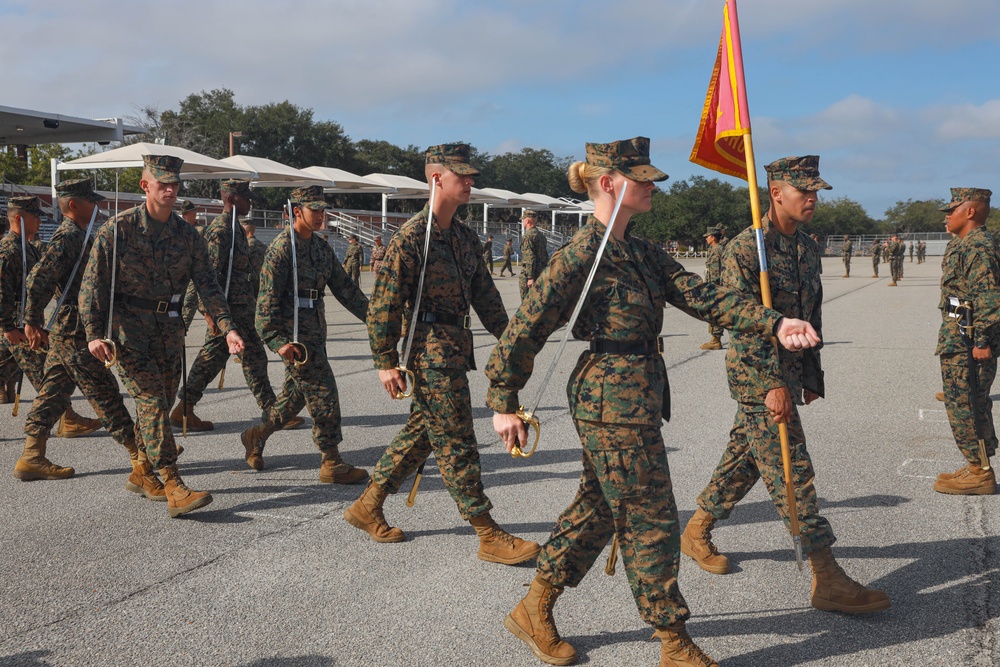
column 271, row 574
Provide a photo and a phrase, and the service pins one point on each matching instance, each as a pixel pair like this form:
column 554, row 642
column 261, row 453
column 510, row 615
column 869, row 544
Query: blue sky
column 899, row 98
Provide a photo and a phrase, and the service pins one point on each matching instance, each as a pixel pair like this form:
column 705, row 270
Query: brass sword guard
column 530, row 421
column 305, row 354
column 400, row 395
column 109, row 363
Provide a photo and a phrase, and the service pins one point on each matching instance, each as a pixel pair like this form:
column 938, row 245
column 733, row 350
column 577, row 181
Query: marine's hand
column 235, row 342
column 809, row 396
column 38, row 338
column 779, row 404
column 100, row 350
column 15, row 336
column 393, row 381
column 796, row 334
column 978, row 353
column 289, row 352
column 511, row 430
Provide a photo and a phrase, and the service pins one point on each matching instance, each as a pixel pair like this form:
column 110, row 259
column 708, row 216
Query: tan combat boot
column 969, row 481
column 498, row 546
column 531, row 621
column 253, row 440
column 33, row 465
column 293, row 423
column 145, row 482
column 73, row 425
column 335, row 471
column 847, row 275
column 714, row 344
column 366, row 514
column 194, row 423
column 950, row 475
column 181, row 499
column 696, row 542
column 939, row 396
column 679, row 650
column 833, row 590
column 893, row 283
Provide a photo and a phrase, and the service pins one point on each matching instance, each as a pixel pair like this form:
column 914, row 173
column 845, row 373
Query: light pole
column 231, row 135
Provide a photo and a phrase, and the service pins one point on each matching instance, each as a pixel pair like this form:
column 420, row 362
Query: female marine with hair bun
column 618, row 395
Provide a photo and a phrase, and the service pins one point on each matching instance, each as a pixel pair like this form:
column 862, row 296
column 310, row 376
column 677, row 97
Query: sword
column 108, row 363
column 410, row 499
column 609, row 569
column 416, row 300
column 229, row 276
column 528, row 416
column 76, row 267
column 968, row 330
column 295, row 289
column 20, row 318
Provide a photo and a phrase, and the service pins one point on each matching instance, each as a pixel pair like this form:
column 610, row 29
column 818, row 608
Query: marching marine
column 847, row 251
column 534, row 253
column 354, row 259
column 713, row 271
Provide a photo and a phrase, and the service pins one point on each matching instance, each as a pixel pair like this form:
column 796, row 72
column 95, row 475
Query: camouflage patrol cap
column 962, row 195
column 629, row 156
column 164, row 168
column 235, row 186
column 25, row 204
column 187, row 206
column 78, row 187
column 799, row 172
column 712, row 231
column 309, row 197
column 453, row 156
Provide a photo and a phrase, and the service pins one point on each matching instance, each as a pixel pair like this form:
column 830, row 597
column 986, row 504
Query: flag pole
column 765, row 297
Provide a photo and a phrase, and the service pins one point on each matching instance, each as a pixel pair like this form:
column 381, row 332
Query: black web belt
column 169, row 306
column 654, row 346
column 448, row 319
column 307, row 297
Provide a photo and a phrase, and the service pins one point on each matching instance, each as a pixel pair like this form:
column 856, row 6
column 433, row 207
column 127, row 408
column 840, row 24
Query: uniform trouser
column 522, row 284
column 151, row 377
column 312, row 385
column 69, row 363
column 8, row 367
column 355, row 273
column 488, row 258
column 440, row 421
column 847, row 264
column 715, row 332
column 624, row 489
column 214, row 354
column 506, row 267
column 958, row 401
column 875, row 265
column 754, row 452
column 32, row 363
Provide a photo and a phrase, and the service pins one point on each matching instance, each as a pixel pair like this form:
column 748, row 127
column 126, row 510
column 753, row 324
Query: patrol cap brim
column 645, row 173
column 314, row 205
column 950, row 206
column 462, row 169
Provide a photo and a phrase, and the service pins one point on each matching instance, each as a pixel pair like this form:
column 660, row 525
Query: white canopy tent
column 346, row 182
column 271, row 174
column 403, row 187
column 196, row 166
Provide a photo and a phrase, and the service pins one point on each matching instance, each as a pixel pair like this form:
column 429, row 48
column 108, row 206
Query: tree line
column 289, row 134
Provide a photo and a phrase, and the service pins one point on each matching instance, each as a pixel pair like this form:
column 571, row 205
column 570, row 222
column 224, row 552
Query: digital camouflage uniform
column 440, row 419
column 488, row 254
column 353, row 261
column 896, row 251
column 69, row 362
column 378, row 256
column 617, row 402
column 191, row 295
column 847, row 251
column 255, row 250
column 534, row 257
column 911, row 251
column 876, row 251
column 31, row 362
column 970, row 272
column 214, row 354
column 713, row 270
column 508, row 249
column 753, row 369
column 150, row 268
column 313, row 384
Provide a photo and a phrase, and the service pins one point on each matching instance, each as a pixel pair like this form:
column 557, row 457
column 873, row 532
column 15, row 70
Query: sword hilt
column 530, row 421
column 305, row 354
column 400, row 395
column 109, row 363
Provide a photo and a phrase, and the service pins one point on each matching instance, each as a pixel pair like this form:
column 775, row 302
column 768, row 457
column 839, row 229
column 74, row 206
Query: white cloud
column 967, row 121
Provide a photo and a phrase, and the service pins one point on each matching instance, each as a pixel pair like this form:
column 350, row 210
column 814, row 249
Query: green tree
column 916, row 216
column 840, row 216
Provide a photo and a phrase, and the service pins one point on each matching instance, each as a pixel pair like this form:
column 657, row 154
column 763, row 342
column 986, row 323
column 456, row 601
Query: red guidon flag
column 726, row 116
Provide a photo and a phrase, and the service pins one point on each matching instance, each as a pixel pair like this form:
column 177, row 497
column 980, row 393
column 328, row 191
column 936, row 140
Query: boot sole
column 360, row 525
column 489, row 558
column 687, row 551
column 975, row 491
column 518, row 632
column 37, row 476
column 334, row 480
column 135, row 488
column 198, row 504
column 825, row 605
column 77, row 434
